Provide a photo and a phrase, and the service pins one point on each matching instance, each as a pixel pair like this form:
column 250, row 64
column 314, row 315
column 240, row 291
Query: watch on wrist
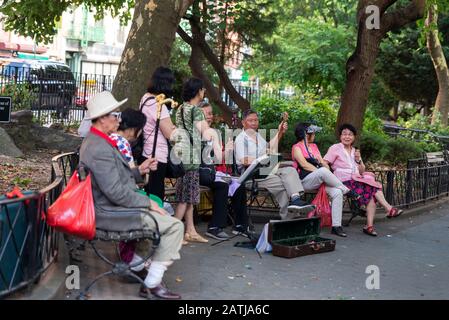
column 358, row 162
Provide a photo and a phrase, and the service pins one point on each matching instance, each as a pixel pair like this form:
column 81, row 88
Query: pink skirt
column 367, row 178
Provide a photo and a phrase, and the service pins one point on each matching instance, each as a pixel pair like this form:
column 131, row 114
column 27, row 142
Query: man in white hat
column 118, row 206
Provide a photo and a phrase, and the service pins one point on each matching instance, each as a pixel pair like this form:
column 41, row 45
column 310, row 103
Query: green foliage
column 323, row 112
column 406, row 68
column 373, row 124
column 373, row 146
column 376, row 146
column 399, row 150
column 22, row 182
column 21, row 94
column 37, row 19
column 312, row 56
column 429, row 137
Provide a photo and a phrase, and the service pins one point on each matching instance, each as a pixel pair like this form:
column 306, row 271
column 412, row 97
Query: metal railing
column 402, row 188
column 54, row 94
column 418, row 135
column 28, row 246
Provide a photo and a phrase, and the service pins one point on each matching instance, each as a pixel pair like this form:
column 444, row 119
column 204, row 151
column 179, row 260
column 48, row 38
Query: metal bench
column 119, row 268
column 435, row 158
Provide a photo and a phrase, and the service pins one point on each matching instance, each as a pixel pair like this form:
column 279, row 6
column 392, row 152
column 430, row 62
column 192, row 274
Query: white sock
column 136, row 259
column 155, row 274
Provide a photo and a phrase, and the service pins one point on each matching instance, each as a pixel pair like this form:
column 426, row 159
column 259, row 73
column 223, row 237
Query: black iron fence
column 54, row 93
column 28, row 246
column 254, row 94
column 418, row 135
column 416, row 185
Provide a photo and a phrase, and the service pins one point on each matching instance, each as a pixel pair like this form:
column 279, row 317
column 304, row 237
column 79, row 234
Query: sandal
column 370, row 231
column 394, row 212
column 195, row 238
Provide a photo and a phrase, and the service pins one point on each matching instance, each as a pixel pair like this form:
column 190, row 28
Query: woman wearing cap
column 348, row 166
column 313, row 171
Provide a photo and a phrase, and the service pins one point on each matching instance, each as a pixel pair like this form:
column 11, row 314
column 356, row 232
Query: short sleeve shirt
column 248, row 147
column 191, row 114
column 150, row 111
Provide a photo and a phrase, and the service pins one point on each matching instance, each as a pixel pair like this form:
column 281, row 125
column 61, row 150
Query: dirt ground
column 32, row 172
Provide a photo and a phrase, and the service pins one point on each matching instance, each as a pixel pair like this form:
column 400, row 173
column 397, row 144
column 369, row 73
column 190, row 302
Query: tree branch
column 184, row 36
column 400, row 17
column 196, row 65
column 185, row 6
column 200, row 40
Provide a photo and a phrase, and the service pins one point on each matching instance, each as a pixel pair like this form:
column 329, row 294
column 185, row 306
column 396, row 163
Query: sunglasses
column 118, row 115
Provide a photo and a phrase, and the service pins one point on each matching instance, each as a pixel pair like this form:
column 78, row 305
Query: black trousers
column 156, row 184
column 220, row 205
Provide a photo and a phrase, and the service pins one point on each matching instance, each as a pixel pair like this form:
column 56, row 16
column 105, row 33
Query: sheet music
column 254, row 165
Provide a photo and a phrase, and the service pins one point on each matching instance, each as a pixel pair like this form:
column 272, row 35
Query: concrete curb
column 264, row 217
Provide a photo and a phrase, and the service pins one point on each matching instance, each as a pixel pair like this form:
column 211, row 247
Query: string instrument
column 160, row 101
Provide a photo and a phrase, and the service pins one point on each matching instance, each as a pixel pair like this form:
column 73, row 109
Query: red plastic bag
column 323, row 208
column 73, row 212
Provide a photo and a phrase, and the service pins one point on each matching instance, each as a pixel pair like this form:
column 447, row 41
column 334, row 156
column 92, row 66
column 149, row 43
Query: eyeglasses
column 118, row 115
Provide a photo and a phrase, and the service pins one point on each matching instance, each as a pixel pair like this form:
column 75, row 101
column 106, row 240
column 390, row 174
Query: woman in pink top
column 314, row 171
column 347, row 164
column 161, row 81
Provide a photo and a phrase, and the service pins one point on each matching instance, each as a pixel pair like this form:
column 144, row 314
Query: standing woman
column 161, row 82
column 348, row 166
column 190, row 118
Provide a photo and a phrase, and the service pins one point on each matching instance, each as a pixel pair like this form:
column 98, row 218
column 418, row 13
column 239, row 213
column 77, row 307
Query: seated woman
column 130, row 128
column 313, row 171
column 348, row 166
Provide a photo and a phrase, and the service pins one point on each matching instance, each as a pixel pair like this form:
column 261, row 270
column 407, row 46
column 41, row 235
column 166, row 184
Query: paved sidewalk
column 411, row 253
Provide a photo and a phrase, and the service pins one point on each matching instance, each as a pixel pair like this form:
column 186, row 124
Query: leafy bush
column 373, row 147
column 401, row 149
column 304, row 109
column 21, row 94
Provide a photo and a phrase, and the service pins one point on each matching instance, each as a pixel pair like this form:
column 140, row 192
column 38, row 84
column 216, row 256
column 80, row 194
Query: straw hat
column 102, row 104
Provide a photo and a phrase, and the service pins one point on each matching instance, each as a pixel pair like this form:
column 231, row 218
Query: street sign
column 5, row 109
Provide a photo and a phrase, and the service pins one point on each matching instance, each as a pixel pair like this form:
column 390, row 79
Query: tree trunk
column 441, row 108
column 360, row 66
column 359, row 75
column 148, row 46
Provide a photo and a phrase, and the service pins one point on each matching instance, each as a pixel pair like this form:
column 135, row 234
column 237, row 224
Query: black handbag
column 207, row 175
column 174, row 170
column 304, row 173
column 137, row 145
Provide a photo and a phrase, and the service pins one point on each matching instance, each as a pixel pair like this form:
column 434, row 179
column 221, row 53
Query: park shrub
column 399, row 150
column 21, row 95
column 375, row 144
column 303, row 109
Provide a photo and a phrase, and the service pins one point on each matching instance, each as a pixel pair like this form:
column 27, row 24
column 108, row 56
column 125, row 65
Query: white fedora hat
column 102, row 104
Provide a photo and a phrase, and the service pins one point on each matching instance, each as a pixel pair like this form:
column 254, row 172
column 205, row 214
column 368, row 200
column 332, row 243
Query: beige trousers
column 172, row 233
column 282, row 185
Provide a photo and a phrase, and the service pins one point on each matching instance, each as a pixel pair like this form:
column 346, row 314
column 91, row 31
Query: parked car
column 52, row 83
